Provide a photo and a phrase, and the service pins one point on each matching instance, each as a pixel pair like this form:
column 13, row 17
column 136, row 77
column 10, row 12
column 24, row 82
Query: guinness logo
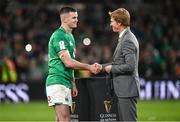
column 73, row 107
column 107, row 105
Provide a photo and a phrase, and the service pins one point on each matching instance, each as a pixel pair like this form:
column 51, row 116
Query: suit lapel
column 119, row 41
column 116, row 49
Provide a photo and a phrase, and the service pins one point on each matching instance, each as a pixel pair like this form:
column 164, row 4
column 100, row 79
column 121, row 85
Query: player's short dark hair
column 67, row 9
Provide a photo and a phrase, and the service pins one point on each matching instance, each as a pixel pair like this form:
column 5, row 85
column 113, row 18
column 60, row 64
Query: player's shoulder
column 57, row 34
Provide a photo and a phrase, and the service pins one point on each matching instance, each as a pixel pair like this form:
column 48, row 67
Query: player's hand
column 95, row 68
column 98, row 67
column 74, row 90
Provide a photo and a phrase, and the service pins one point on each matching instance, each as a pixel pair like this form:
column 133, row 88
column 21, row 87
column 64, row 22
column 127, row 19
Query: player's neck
column 66, row 28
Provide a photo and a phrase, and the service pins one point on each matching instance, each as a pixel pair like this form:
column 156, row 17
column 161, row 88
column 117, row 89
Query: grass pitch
column 39, row 111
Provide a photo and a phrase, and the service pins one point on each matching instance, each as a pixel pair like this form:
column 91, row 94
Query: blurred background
column 26, row 26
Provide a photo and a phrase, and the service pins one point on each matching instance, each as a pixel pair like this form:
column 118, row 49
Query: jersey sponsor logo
column 61, row 45
column 70, row 42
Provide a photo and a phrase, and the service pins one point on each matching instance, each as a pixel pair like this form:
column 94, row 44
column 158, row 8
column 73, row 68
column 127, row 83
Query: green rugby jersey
column 57, row 72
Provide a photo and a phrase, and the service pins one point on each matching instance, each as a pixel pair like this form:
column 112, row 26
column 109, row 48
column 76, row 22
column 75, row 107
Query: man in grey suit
column 124, row 66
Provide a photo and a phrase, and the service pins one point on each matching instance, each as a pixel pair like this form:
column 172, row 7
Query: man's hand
column 108, row 68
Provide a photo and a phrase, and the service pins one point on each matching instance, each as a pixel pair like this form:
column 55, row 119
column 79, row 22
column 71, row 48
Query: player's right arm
column 61, row 48
column 72, row 63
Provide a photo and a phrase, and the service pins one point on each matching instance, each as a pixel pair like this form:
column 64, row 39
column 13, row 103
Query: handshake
column 96, row 68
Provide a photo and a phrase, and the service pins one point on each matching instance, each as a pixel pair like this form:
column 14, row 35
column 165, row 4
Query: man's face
column 71, row 19
column 115, row 25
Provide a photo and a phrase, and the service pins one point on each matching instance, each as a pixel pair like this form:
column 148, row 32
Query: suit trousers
column 127, row 109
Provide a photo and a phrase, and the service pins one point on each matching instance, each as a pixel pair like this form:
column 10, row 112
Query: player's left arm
column 74, row 88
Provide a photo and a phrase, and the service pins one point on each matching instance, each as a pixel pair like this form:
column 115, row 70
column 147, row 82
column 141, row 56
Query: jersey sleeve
column 60, row 44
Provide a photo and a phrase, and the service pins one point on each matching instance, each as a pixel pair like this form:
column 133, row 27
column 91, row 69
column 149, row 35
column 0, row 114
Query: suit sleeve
column 129, row 54
column 104, row 65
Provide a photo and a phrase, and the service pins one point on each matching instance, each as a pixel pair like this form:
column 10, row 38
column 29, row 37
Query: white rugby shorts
column 58, row 94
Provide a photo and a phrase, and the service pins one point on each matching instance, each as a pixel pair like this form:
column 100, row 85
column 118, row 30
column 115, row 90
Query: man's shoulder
column 130, row 39
column 129, row 35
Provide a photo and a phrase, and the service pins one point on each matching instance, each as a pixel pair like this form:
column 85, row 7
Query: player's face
column 115, row 25
column 72, row 19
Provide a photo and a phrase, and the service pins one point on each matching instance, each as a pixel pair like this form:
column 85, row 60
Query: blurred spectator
column 8, row 70
column 156, row 25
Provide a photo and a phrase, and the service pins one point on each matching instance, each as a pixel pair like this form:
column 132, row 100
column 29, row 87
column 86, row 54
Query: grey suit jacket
column 125, row 66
